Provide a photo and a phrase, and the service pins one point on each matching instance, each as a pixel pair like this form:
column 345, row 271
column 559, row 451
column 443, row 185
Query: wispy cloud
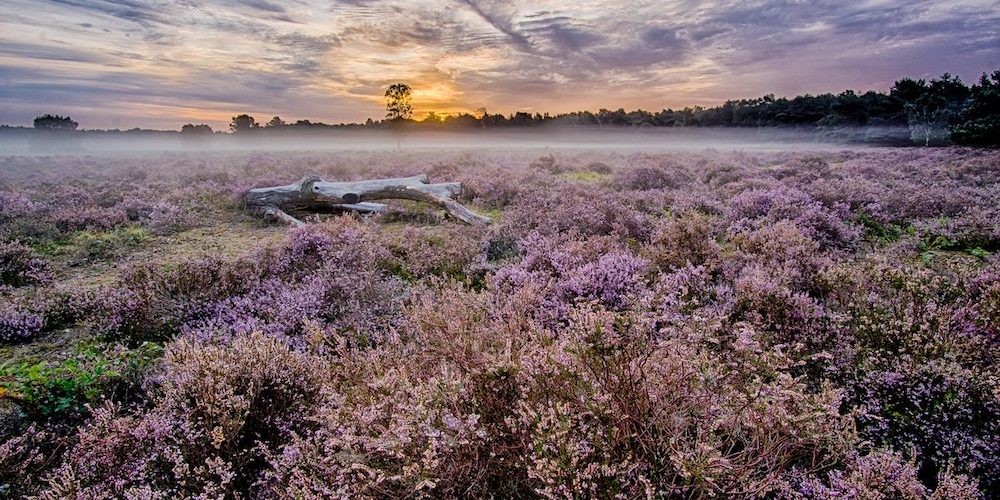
column 160, row 64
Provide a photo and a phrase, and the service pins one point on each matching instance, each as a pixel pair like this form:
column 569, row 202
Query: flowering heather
column 19, row 266
column 18, row 324
column 714, row 324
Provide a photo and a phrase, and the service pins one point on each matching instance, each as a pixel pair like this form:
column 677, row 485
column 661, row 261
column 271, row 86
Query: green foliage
column 881, row 232
column 931, row 243
column 64, row 390
column 980, row 123
column 931, row 107
column 96, row 245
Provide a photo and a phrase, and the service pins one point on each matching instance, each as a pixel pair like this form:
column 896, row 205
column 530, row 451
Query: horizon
column 224, row 127
column 142, row 65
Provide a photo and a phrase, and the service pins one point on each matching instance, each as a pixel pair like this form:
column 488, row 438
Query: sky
column 161, row 64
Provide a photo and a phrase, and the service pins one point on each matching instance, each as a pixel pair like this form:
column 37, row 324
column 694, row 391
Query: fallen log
column 313, row 193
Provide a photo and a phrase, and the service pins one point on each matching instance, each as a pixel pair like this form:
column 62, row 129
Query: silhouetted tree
column 276, row 122
column 55, row 123
column 980, row 118
column 398, row 99
column 243, row 123
column 192, row 129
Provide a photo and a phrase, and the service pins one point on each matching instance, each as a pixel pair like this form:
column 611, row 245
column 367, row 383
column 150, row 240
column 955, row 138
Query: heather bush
column 168, row 218
column 577, row 270
column 633, row 325
column 499, row 245
column 645, row 178
column 784, row 250
column 496, row 190
column 982, row 313
column 443, row 251
column 394, row 437
column 18, row 323
column 548, row 163
column 14, row 205
column 24, row 456
column 924, row 379
column 219, row 412
column 753, row 209
column 583, row 209
column 976, row 233
column 612, row 412
column 327, row 273
column 88, row 216
column 946, row 413
column 19, row 266
column 881, row 474
column 685, row 240
column 697, row 198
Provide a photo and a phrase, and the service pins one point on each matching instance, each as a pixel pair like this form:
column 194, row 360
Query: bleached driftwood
column 313, row 193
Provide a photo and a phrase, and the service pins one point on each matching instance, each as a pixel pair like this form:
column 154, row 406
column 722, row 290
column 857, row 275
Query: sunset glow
column 142, row 63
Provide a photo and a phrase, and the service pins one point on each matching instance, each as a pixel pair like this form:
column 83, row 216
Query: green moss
column 584, row 176
column 96, row 245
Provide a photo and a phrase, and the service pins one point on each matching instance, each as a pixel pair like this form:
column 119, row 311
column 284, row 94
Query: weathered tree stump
column 313, row 194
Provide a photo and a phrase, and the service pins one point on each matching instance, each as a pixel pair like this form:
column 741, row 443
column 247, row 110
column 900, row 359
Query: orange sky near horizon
column 154, row 64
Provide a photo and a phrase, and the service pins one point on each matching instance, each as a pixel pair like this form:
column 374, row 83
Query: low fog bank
column 660, row 139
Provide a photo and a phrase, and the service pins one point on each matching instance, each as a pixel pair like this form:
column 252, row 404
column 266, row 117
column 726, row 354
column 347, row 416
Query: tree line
column 939, row 111
column 926, row 112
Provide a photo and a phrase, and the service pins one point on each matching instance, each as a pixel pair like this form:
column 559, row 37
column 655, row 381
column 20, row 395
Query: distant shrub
column 548, row 163
column 599, row 167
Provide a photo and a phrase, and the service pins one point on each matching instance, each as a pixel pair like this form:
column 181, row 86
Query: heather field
column 634, row 325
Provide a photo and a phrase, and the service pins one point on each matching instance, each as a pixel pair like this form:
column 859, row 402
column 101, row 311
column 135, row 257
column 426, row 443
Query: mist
column 659, row 139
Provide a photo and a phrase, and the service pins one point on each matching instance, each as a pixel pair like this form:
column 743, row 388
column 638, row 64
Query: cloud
column 263, row 5
column 136, row 60
column 48, row 52
column 140, row 12
column 498, row 20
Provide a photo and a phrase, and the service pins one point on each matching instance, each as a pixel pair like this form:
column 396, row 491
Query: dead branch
column 314, row 194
